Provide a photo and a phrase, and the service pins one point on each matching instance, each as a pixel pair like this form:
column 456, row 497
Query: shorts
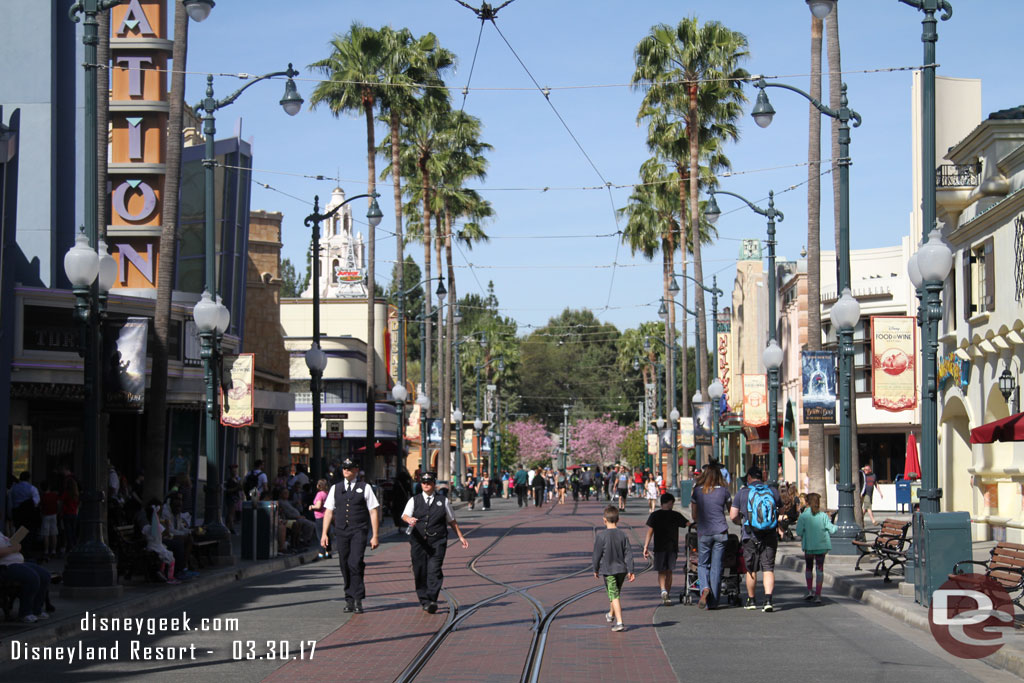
column 865, row 503
column 623, row 492
column 613, row 583
column 759, row 552
column 49, row 527
column 665, row 560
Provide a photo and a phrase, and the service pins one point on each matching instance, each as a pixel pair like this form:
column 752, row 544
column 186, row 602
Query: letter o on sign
column 148, row 201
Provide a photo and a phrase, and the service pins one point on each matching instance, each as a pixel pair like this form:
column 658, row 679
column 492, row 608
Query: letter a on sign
column 134, row 18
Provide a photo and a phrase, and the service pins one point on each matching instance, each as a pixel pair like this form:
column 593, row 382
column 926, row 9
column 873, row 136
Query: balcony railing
column 957, row 175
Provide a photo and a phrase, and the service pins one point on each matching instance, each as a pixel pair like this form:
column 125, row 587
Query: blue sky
column 551, row 249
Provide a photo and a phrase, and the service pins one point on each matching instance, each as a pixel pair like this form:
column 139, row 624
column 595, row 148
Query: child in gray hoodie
column 613, row 560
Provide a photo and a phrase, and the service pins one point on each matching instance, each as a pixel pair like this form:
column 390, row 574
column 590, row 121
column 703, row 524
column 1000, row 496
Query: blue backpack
column 762, row 512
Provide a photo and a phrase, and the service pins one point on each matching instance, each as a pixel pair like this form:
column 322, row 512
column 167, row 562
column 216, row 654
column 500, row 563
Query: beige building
column 981, row 206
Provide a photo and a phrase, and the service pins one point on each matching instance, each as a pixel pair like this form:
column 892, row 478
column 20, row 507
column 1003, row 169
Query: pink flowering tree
column 536, row 444
column 596, row 441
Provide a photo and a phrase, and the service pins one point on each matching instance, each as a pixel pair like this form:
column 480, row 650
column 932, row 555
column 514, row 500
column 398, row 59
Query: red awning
column 1007, row 429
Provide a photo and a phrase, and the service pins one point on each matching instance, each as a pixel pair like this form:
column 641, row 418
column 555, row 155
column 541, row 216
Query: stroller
column 732, row 569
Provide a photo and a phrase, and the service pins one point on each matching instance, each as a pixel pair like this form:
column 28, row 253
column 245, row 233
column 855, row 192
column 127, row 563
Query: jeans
column 35, row 584
column 709, row 563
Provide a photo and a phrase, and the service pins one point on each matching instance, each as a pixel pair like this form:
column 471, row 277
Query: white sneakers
column 609, row 617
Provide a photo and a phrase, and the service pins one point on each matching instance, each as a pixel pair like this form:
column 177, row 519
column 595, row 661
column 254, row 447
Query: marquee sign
column 138, row 114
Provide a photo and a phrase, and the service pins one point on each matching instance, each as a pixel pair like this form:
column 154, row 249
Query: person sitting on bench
column 34, row 580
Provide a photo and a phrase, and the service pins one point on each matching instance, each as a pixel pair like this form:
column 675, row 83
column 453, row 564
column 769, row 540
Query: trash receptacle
column 248, row 530
column 685, row 492
column 266, row 530
column 941, row 540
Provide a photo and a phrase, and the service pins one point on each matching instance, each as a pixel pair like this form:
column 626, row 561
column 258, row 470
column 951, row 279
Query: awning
column 1007, row 429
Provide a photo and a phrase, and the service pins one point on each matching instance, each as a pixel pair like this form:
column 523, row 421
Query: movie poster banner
column 702, row 424
column 237, row 390
column 893, row 344
column 125, row 383
column 755, row 400
column 819, row 386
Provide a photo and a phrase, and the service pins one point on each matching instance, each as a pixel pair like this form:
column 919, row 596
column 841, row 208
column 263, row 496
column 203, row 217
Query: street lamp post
column 712, row 212
column 565, row 435
column 715, row 392
column 399, row 392
column 763, row 113
column 673, row 287
column 291, row 102
column 458, row 414
column 928, row 269
column 316, row 359
column 91, row 565
column 423, row 399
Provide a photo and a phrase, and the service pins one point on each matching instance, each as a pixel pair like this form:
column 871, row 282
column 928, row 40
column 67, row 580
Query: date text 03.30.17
column 272, row 649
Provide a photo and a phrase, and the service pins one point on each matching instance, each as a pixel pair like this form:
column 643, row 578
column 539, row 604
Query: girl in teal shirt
column 815, row 530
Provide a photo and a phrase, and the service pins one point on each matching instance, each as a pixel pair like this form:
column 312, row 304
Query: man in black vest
column 429, row 515
column 352, row 506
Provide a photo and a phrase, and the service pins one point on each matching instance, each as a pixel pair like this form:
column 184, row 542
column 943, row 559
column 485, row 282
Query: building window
column 341, row 391
column 1018, row 249
column 979, row 275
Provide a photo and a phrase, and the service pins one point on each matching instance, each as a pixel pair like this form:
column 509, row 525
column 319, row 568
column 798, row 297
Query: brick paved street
column 544, row 554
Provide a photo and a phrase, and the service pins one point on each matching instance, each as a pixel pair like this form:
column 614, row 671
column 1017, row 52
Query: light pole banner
column 686, row 433
column 125, row 385
column 893, row 345
column 652, row 443
column 755, row 400
column 238, row 377
column 725, row 363
column 702, row 426
column 818, row 380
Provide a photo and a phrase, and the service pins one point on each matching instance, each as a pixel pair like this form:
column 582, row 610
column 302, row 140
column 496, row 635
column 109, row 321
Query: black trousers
column 538, row 497
column 427, row 561
column 487, row 498
column 351, row 546
column 521, row 494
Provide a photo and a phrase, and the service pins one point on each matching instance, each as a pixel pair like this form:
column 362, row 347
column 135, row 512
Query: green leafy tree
column 289, row 279
column 633, row 448
column 509, row 450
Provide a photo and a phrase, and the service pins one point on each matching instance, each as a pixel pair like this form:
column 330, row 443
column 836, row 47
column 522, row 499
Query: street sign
column 335, row 429
column 334, row 416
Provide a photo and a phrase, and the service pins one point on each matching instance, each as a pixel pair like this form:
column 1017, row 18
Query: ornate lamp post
column 763, row 113
column 712, row 213
column 844, row 315
column 928, row 268
column 478, row 426
column 715, row 392
column 316, row 359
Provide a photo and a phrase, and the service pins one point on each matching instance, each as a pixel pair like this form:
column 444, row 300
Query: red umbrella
column 1007, row 429
column 912, row 469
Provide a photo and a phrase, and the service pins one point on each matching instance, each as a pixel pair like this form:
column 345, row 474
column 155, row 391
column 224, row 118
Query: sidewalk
column 862, row 585
column 140, row 596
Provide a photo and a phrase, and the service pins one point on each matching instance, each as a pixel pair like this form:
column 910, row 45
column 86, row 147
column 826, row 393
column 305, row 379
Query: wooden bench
column 1005, row 565
column 889, row 547
column 203, row 550
column 131, row 553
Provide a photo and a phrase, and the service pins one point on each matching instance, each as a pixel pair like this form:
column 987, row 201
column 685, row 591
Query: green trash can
column 685, row 493
column 942, row 539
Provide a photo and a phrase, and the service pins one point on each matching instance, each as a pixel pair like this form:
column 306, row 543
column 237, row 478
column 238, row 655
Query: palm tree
column 815, row 432
column 686, row 68
column 156, row 420
column 359, row 73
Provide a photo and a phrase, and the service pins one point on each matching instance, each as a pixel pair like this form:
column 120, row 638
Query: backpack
column 252, row 481
column 762, row 512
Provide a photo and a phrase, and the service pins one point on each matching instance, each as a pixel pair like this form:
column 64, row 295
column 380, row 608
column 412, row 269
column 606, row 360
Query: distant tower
column 342, row 256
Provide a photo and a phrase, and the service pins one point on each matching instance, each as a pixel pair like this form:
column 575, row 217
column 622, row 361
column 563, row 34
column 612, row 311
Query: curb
column 127, row 607
column 1008, row 660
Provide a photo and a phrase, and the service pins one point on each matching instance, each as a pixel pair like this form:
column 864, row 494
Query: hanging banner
column 725, row 364
column 755, row 400
column 652, row 443
column 702, row 426
column 433, row 431
column 237, row 390
column 685, row 433
column 893, row 344
column 819, row 386
column 124, row 387
column 391, row 343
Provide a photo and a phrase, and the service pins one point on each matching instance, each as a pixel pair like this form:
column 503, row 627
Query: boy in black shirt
column 663, row 525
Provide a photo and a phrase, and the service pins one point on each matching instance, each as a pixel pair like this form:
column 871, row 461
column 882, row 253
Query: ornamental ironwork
column 957, row 175
column 1018, row 250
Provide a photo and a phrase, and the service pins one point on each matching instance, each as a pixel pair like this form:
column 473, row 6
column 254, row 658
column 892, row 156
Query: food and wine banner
column 893, row 346
column 755, row 400
column 237, row 390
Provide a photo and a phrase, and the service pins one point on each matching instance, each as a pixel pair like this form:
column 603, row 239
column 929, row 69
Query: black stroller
column 732, row 559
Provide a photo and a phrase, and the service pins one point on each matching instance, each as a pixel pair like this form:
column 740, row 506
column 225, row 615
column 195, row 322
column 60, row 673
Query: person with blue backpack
column 757, row 505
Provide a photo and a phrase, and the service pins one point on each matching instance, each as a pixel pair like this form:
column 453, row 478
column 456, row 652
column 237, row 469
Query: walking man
column 758, row 506
column 429, row 516
column 352, row 506
column 520, row 481
column 868, row 482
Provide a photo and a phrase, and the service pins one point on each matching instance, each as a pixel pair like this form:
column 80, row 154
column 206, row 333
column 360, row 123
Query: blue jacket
column 815, row 532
